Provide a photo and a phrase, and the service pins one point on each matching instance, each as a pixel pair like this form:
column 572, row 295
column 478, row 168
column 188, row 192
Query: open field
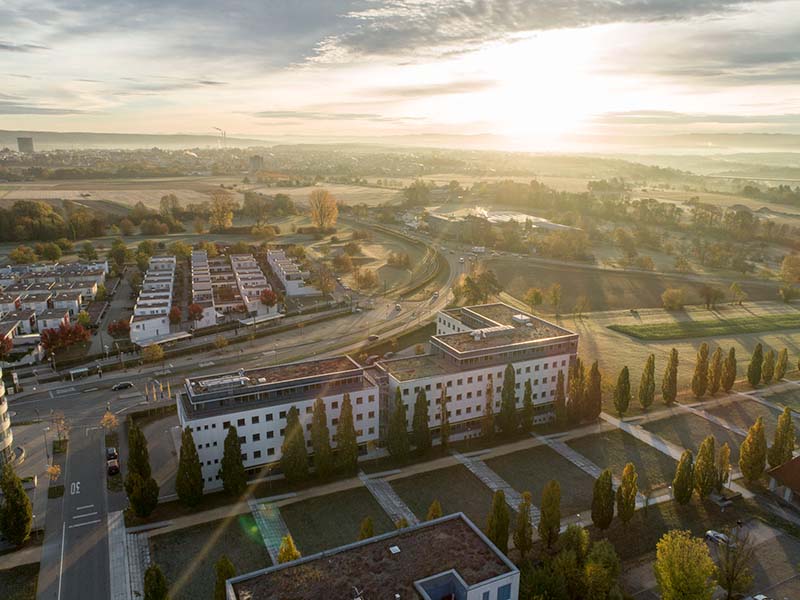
column 614, row 449
column 691, row 329
column 456, row 488
column 326, row 522
column 607, row 289
column 689, row 431
column 743, row 413
column 187, row 556
column 19, row 583
column 530, row 470
column 348, row 194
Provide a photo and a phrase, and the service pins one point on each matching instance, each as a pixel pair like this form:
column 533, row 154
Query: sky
column 536, row 74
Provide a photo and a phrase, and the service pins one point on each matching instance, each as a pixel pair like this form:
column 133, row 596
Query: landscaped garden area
column 689, row 329
column 689, row 431
column 187, row 556
column 325, row 522
column 530, row 470
column 614, row 449
column 789, row 397
column 19, row 583
column 455, row 488
column 743, row 413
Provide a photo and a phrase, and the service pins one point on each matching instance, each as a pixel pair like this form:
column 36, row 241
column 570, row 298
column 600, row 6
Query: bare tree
column 324, row 210
column 734, row 561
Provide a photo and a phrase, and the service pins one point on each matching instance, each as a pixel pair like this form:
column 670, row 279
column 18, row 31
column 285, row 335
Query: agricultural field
column 614, row 449
column 529, row 471
column 456, row 489
column 348, row 194
column 743, row 413
column 187, row 556
column 689, row 431
column 691, row 329
column 325, row 522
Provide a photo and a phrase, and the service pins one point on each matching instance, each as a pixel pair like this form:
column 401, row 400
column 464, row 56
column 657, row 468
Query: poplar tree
column 622, row 392
column 683, row 483
column 16, row 512
column 140, row 486
column 346, row 440
column 715, row 372
column 560, row 405
column 754, row 368
column 700, row 377
column 434, row 511
column 550, row 513
column 782, row 364
column 729, row 370
column 768, row 368
column 784, row 440
column 753, row 452
column 321, row 440
column 224, row 570
column 705, row 468
column 294, row 457
column 155, row 583
column 526, row 418
column 444, row 428
column 138, row 454
column 647, row 384
column 487, row 422
column 626, row 493
column 366, row 530
column 594, row 393
column 287, row 551
column 575, row 396
column 397, row 436
column 603, row 501
column 419, row 424
column 669, row 384
column 508, row 402
column 189, row 480
column 723, row 466
column 497, row 527
column 523, row 530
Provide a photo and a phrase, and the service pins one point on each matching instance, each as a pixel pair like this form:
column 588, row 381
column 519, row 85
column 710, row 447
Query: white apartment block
column 469, row 353
column 290, row 275
column 150, row 319
column 256, row 402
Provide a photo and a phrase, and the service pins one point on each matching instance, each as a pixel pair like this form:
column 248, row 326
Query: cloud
column 19, row 108
column 437, row 89
column 656, row 117
column 12, row 47
column 324, row 116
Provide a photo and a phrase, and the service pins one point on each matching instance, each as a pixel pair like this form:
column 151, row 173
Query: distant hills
column 49, row 140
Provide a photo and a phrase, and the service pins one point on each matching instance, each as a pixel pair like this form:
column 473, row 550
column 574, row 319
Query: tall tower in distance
column 25, row 145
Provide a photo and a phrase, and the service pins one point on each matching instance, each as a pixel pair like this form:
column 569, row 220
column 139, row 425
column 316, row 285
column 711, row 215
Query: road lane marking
column 85, row 507
column 91, row 514
column 84, row 523
column 61, row 563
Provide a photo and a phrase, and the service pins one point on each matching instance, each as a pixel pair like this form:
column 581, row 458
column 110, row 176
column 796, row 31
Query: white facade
column 290, row 275
column 258, row 408
column 6, row 437
column 150, row 319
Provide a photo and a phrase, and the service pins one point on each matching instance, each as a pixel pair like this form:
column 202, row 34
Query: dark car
column 111, row 453
column 122, row 385
column 112, row 466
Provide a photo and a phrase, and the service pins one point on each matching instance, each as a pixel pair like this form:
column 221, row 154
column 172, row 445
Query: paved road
column 75, row 563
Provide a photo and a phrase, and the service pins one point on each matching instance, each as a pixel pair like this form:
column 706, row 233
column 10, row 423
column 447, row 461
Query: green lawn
column 187, row 556
column 614, row 449
column 743, row 413
column 19, row 583
column 691, row 329
column 530, row 470
column 690, row 430
column 456, row 488
column 326, row 522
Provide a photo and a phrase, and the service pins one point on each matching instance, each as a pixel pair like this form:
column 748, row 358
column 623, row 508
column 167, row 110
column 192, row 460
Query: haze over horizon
column 528, row 75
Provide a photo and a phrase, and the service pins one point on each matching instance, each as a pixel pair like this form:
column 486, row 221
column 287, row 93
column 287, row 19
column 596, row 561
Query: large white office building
column 469, row 353
column 6, row 437
column 256, row 402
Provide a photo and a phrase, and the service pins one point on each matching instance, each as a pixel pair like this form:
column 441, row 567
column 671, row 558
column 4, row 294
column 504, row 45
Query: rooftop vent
column 394, row 549
column 262, row 380
column 520, row 319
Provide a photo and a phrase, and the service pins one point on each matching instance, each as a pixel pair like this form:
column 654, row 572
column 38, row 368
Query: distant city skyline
column 539, row 75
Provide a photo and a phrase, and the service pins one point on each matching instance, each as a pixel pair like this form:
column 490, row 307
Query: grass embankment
column 691, row 329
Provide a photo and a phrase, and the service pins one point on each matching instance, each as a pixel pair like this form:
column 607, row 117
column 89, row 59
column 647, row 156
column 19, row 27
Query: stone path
column 138, row 551
column 271, row 526
column 494, row 482
column 118, row 557
column 716, row 420
column 648, row 437
column 390, row 502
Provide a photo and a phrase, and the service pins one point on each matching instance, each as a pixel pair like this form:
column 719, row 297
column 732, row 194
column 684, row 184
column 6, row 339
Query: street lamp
column 46, row 449
column 105, row 347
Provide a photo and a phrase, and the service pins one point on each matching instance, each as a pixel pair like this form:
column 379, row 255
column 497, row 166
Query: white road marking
column 91, row 514
column 85, row 507
column 61, row 563
column 85, row 523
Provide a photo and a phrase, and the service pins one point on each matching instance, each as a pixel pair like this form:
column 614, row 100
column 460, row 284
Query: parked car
column 112, row 466
column 398, row 307
column 435, row 295
column 373, row 338
column 111, row 453
column 717, row 538
column 122, row 385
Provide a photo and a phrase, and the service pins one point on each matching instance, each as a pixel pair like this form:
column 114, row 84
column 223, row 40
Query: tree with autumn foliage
column 324, row 210
column 195, row 312
column 65, row 336
column 268, row 298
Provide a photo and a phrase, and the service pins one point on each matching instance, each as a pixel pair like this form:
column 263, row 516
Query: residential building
column 6, row 437
column 469, row 353
column 25, row 318
column 256, row 163
column 25, row 145
column 784, row 481
column 256, row 402
column 448, row 558
column 150, row 319
column 52, row 318
column 291, row 276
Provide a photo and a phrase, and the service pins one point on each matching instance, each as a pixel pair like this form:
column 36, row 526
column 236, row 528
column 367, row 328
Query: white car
column 717, row 538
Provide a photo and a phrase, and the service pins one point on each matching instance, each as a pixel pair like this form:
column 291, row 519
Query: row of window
column 459, row 382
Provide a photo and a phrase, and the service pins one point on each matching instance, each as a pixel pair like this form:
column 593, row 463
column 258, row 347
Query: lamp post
column 46, row 449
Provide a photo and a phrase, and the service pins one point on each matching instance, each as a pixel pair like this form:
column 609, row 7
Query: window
column 428, row 387
column 282, row 414
column 469, row 409
column 469, row 379
column 309, row 410
column 504, row 592
column 240, row 423
column 256, row 437
column 519, row 371
column 226, row 424
column 270, row 435
column 371, row 414
column 405, row 392
column 242, row 439
column 449, row 384
column 439, row 385
column 459, row 382
column 528, row 369
column 371, row 430
column 479, row 393
column 458, row 397
column 371, row 398
column 458, row 412
column 359, row 417
column 478, row 408
column 270, row 451
column 244, row 455
column 257, row 454
column 254, row 420
column 546, row 365
column 469, row 395
column 480, row 377
column 308, row 427
column 360, row 400
column 283, row 431
column 536, row 368
column 269, row 417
